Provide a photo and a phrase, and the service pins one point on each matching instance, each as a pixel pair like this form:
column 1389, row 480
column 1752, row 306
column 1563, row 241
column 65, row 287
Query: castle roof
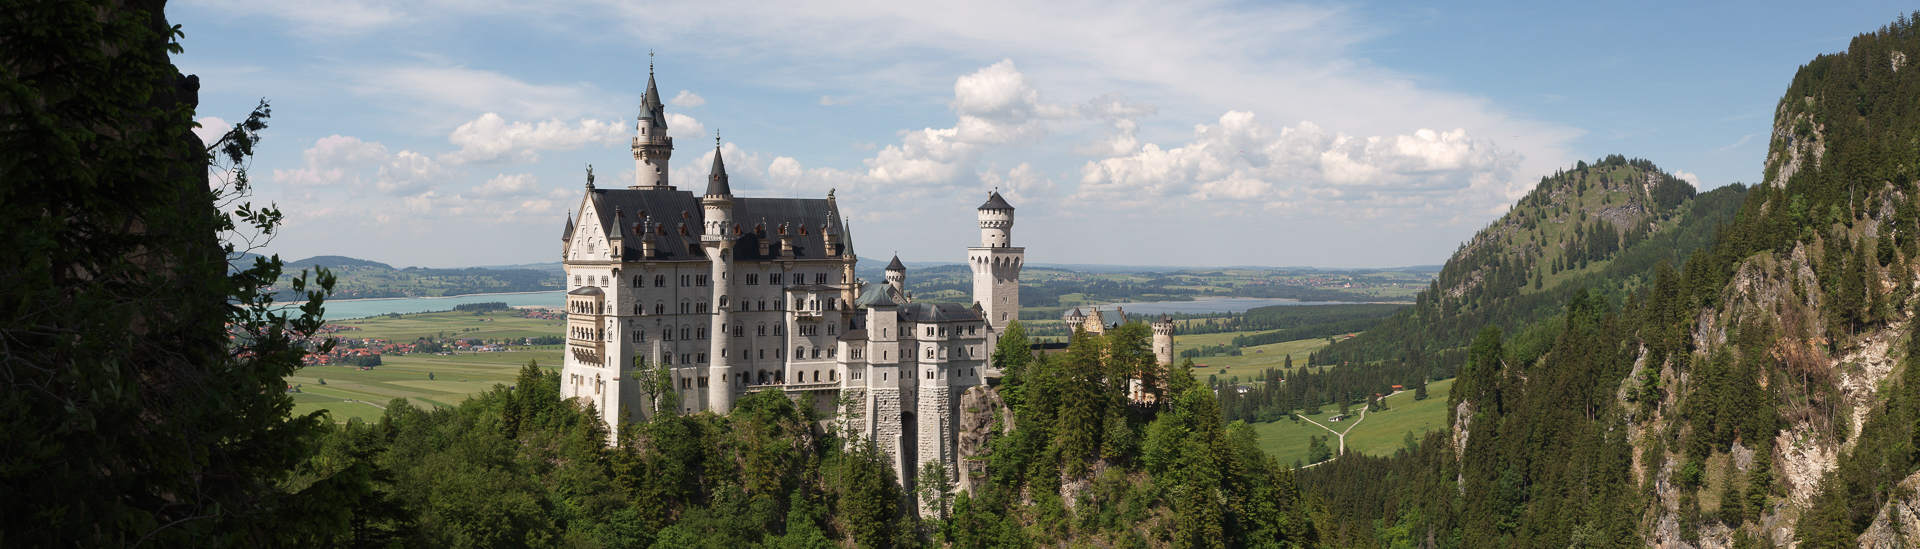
column 569, row 234
column 717, row 178
column 1075, row 313
column 937, row 312
column 876, row 295
column 586, row 290
column 671, row 207
column 854, row 335
column 896, row 266
column 994, row 202
column 651, row 109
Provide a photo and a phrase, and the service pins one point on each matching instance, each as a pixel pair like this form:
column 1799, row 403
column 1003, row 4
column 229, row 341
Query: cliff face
column 1822, row 260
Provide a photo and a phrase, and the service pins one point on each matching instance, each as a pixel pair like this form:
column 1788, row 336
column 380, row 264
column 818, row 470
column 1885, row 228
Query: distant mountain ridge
column 335, row 261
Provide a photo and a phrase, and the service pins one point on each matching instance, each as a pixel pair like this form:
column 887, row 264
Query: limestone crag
column 983, row 416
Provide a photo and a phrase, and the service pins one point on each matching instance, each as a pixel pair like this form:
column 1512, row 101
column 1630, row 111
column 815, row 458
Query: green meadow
column 1251, row 360
column 1379, row 435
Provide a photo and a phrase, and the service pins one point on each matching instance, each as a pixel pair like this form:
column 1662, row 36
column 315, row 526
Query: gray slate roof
column 994, row 202
column 937, row 312
column 717, row 178
column 671, row 209
column 896, row 266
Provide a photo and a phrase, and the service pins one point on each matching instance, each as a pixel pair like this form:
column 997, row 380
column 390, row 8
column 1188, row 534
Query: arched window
column 723, row 302
column 686, row 332
column 636, row 281
column 659, row 281
column 666, row 335
column 639, row 309
column 702, row 357
column 830, row 328
column 659, row 308
column 700, row 333
column 929, row 352
column 762, row 331
column 799, row 352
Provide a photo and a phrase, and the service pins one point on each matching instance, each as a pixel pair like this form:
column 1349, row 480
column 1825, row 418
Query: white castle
column 738, row 295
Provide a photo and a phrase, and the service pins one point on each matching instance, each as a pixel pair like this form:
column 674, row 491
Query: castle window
column 776, row 353
column 639, row 336
column 973, row 330
column 703, row 381
column 686, row 333
column 799, row 352
column 659, row 281
column 659, row 308
column 830, row 328
column 700, row 333
column 929, row 352
column 832, row 351
column 774, row 279
column 816, row 352
column 603, row 282
column 639, row 309
column 833, row 375
column 763, row 354
column 666, row 358
column 762, row 331
column 739, row 331
column 666, row 335
column 723, row 302
column 779, row 329
column 819, row 278
column 686, row 280
column 753, row 279
column 700, row 307
column 686, row 358
column 700, row 280
column 686, row 306
column 777, row 304
column 763, row 304
column 636, row 281
column 702, row 357
column 576, row 280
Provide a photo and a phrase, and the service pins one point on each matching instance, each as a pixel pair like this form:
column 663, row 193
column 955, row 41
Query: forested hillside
column 1599, row 227
column 1756, row 395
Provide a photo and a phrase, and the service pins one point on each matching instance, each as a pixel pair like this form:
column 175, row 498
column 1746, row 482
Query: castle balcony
column 796, row 387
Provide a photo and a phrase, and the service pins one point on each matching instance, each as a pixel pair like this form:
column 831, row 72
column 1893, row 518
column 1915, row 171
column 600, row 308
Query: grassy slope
column 1380, row 434
column 1251, row 360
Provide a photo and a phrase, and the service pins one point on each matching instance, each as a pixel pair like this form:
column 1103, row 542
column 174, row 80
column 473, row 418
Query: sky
column 1333, row 134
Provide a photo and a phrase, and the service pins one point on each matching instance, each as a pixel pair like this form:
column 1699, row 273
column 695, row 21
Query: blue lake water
column 362, row 308
column 1209, row 305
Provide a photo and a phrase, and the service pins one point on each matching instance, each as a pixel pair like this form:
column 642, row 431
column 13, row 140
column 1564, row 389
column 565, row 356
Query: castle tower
column 718, row 240
column 884, row 400
column 897, row 276
column 996, row 269
column 1163, row 340
column 652, row 147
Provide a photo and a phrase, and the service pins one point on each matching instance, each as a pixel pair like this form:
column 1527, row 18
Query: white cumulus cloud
column 1241, row 159
column 509, row 185
column 331, row 160
column 491, row 139
column 687, row 100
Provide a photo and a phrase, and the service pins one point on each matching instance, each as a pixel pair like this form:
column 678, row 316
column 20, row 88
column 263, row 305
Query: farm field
column 1251, row 360
column 428, row 380
column 1379, row 435
column 450, row 324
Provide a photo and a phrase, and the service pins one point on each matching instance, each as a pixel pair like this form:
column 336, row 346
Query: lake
column 362, row 308
column 1207, row 305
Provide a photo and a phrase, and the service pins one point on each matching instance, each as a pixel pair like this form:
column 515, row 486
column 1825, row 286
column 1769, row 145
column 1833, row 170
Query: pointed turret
column 652, row 148
column 896, row 265
column 717, row 178
column 568, row 236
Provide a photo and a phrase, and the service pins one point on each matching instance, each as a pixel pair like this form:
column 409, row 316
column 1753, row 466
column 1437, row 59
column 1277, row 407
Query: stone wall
column 936, row 426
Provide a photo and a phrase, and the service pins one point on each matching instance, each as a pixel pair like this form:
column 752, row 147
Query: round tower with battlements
column 718, row 240
column 1163, row 340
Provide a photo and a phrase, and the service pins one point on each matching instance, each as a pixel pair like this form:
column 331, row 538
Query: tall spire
column 717, row 179
column 651, row 108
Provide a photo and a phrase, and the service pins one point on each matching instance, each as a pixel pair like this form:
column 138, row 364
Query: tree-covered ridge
column 1761, row 395
column 1601, row 227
